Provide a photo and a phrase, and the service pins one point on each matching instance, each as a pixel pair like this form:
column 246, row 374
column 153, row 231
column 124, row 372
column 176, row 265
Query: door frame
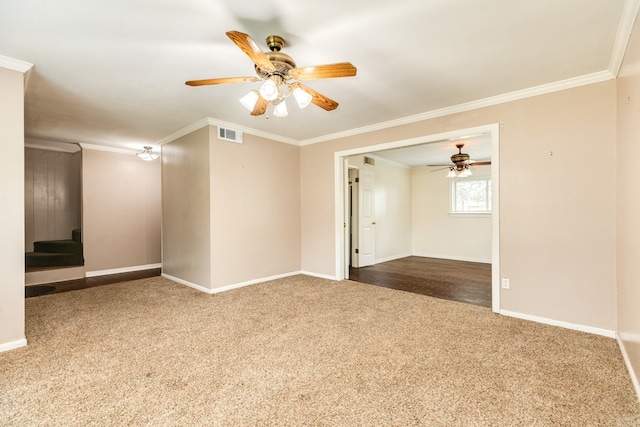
column 341, row 190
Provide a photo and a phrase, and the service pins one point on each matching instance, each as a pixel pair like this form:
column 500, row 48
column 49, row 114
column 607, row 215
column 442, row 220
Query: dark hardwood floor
column 87, row 282
column 462, row 281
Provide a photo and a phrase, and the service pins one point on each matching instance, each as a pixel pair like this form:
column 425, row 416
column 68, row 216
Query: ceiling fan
column 280, row 76
column 461, row 164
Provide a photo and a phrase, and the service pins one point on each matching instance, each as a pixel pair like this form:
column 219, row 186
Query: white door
column 366, row 248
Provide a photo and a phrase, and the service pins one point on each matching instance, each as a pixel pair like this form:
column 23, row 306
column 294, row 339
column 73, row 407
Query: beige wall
column 52, row 195
column 186, row 230
column 438, row 234
column 231, row 211
column 255, row 209
column 12, row 333
column 557, row 230
column 628, row 208
column 121, row 210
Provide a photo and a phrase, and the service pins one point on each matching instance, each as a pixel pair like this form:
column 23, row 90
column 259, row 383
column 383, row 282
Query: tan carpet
column 302, row 351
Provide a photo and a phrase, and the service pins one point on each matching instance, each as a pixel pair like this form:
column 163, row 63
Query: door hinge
column 357, row 179
column 357, row 251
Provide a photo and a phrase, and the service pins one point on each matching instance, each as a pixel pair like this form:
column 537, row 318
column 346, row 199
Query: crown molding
column 574, row 82
column 625, row 27
column 185, row 131
column 111, row 149
column 42, row 144
column 486, row 102
column 15, row 64
column 208, row 121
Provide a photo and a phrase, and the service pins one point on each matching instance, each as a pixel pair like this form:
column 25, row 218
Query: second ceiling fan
column 281, row 77
column 461, row 164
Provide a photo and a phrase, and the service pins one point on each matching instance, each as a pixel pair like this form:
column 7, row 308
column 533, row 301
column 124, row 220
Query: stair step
column 48, row 259
column 58, row 246
column 77, row 235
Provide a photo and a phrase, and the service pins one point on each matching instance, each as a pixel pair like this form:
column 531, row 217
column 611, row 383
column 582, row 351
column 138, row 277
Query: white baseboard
column 391, row 258
column 453, row 258
column 228, row 287
column 123, row 270
column 632, row 373
column 13, row 345
column 186, row 283
column 597, row 331
column 318, row 275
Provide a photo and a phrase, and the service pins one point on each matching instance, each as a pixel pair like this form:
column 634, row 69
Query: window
column 471, row 195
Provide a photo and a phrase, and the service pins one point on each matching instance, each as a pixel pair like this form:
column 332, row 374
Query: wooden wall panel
column 52, row 195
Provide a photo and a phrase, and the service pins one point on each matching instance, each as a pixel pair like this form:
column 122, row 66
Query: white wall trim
column 42, row 144
column 186, row 283
column 570, row 83
column 229, row 287
column 15, row 64
column 390, row 162
column 492, row 129
column 625, row 27
column 122, row 270
column 185, row 130
column 582, row 328
column 13, row 345
column 393, row 257
column 320, row 276
column 208, row 121
column 473, row 105
column 86, row 146
column 627, row 362
column 452, row 257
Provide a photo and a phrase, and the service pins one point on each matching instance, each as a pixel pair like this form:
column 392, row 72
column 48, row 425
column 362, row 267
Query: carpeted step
column 48, row 259
column 58, row 246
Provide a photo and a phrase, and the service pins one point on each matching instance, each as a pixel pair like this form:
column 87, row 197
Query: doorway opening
column 53, row 211
column 344, row 253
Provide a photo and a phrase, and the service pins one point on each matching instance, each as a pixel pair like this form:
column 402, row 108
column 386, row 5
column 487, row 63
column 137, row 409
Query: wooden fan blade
column 249, row 47
column 472, row 163
column 221, row 81
column 317, row 98
column 261, row 107
column 329, row 71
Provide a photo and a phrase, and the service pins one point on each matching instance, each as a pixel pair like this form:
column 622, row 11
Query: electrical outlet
column 505, row 283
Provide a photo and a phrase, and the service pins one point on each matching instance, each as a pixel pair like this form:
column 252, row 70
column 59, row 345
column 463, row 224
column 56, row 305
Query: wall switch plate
column 505, row 283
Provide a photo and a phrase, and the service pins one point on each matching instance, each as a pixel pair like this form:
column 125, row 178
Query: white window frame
column 452, row 196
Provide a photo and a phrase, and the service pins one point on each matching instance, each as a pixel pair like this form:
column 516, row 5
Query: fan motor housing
column 280, row 60
column 460, row 157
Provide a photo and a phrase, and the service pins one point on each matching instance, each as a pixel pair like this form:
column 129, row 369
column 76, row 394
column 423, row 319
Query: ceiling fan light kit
column 280, row 108
column 280, row 76
column 461, row 172
column 269, row 90
column 250, row 99
column 462, row 163
column 302, row 97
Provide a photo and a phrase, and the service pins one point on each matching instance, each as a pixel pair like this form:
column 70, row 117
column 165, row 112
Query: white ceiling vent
column 230, row 135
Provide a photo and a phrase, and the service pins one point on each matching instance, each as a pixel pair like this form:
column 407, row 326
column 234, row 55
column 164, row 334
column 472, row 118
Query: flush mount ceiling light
column 280, row 76
column 147, row 154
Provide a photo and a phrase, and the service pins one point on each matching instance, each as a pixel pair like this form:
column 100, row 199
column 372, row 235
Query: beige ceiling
column 112, row 72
